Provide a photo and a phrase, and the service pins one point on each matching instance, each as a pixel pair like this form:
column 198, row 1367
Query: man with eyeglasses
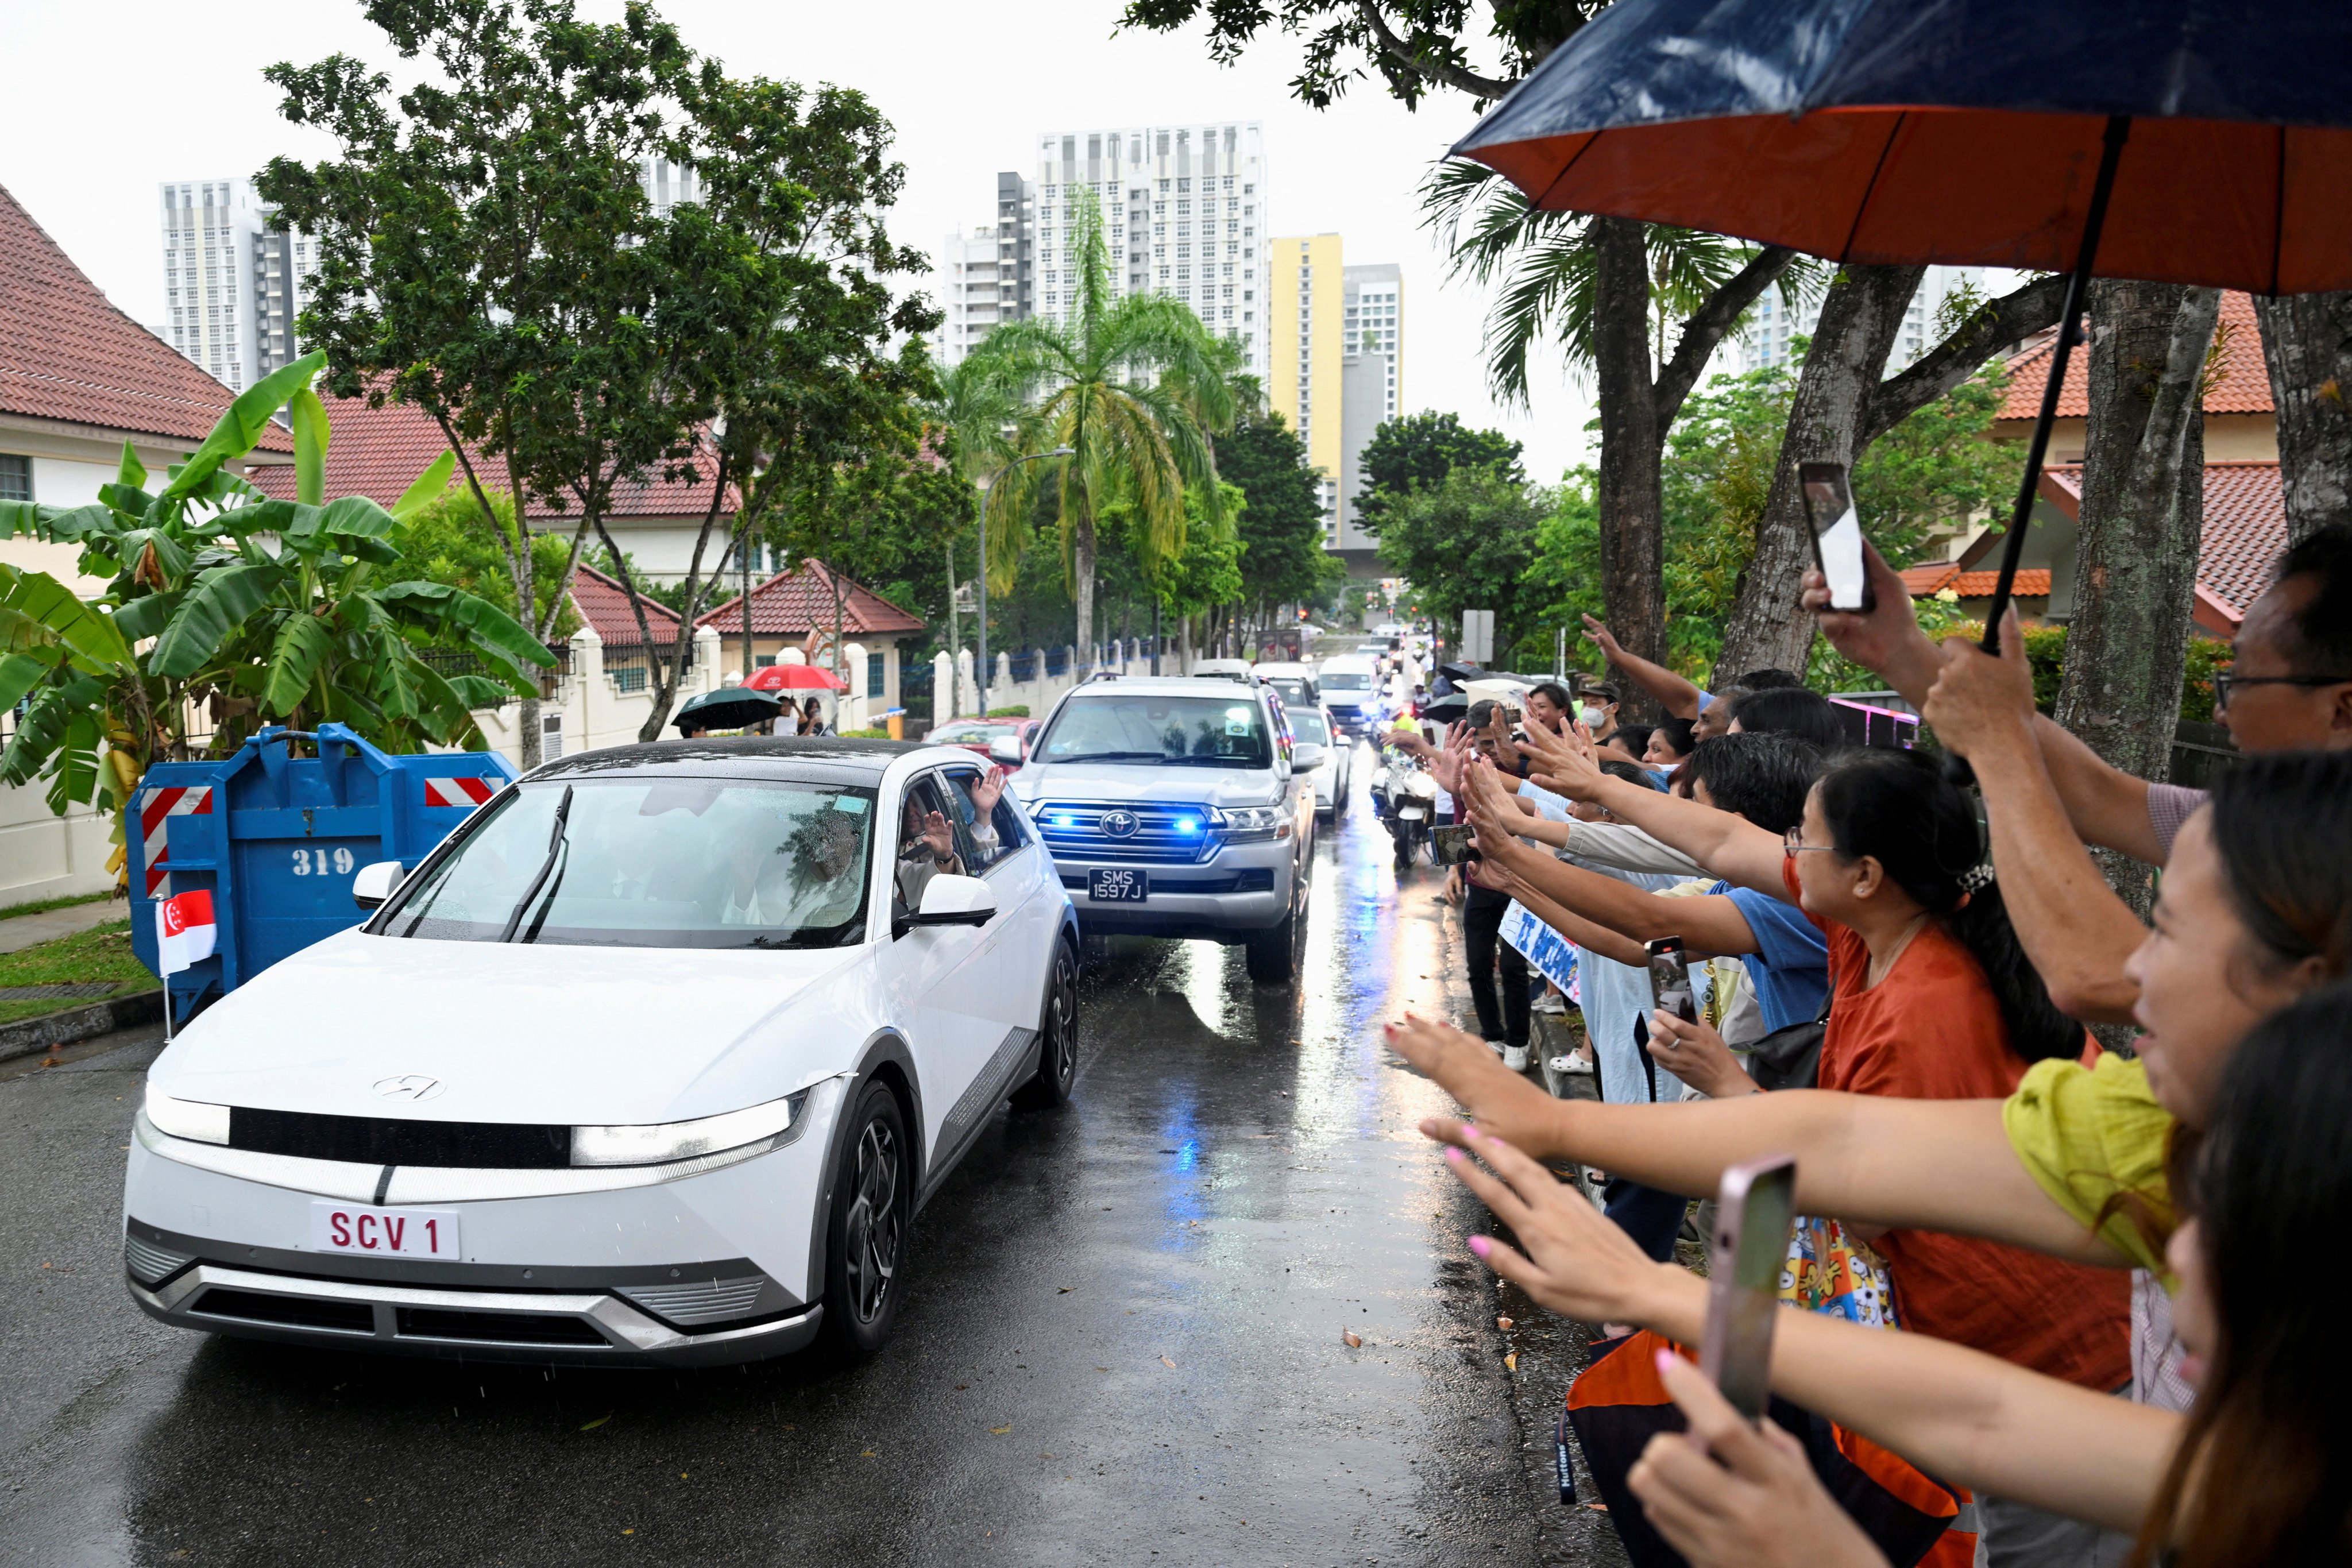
column 2047, row 793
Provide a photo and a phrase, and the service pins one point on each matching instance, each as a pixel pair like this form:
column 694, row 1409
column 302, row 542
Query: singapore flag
column 185, row 931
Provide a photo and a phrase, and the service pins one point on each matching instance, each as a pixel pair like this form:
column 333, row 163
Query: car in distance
column 1329, row 773
column 1351, row 685
column 1180, row 806
column 1295, row 680
column 651, row 1062
column 984, row 735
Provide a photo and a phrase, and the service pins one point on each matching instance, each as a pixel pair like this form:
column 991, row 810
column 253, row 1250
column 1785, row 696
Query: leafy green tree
column 1281, row 522
column 259, row 611
column 1467, row 542
column 1418, row 451
column 1145, row 440
column 448, row 540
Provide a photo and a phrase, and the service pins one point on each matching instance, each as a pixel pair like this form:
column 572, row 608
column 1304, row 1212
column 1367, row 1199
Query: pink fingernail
column 1481, row 1246
column 1454, row 1155
column 1665, row 1359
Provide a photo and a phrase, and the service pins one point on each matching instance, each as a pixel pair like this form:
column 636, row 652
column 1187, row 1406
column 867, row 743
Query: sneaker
column 1498, row 1047
column 1550, row 1003
column 1516, row 1058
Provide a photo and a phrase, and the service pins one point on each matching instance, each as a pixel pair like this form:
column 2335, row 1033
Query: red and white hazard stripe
column 155, row 806
column 468, row 792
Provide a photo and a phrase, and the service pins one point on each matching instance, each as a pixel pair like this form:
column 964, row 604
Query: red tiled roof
column 379, row 452
column 603, row 604
column 2033, row 582
column 67, row 353
column 2241, row 384
column 2244, row 532
column 792, row 603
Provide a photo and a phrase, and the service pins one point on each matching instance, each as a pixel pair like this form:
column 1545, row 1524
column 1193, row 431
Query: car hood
column 517, row 1033
column 1139, row 782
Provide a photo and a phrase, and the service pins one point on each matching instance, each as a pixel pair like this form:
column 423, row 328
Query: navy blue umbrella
column 2177, row 141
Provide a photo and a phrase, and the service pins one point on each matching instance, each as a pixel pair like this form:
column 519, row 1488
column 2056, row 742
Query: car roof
column 1350, row 663
column 1165, row 686
column 828, row 759
column 1284, row 667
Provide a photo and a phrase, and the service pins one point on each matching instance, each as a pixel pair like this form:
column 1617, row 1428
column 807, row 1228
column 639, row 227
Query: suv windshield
column 1293, row 688
column 1212, row 732
column 653, row 863
column 1344, row 680
column 1307, row 724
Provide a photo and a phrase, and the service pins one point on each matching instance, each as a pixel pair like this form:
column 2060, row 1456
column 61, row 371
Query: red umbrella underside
column 793, row 677
column 2260, row 207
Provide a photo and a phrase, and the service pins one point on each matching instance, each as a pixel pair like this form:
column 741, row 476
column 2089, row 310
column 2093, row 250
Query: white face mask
column 1593, row 717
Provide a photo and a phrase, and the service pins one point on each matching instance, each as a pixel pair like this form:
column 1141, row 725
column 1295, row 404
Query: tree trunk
column 1082, row 567
column 2135, row 547
column 1632, row 560
column 2308, row 347
column 1860, row 316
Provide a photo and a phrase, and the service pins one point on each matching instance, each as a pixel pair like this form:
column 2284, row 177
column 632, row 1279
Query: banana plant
column 228, row 605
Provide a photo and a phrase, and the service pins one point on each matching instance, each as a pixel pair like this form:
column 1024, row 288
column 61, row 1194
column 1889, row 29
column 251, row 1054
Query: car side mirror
column 1306, row 756
column 952, row 900
column 1006, row 749
column 371, row 885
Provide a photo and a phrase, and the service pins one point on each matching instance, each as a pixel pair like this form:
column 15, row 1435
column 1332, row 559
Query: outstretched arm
column 1674, row 694
column 2071, row 923
column 1929, row 1164
column 1706, row 925
column 1964, row 1415
column 1587, row 935
column 2106, row 805
column 1730, row 846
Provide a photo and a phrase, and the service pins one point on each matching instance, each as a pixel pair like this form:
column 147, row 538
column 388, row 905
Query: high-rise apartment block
column 1764, row 342
column 987, row 274
column 1336, row 373
column 232, row 288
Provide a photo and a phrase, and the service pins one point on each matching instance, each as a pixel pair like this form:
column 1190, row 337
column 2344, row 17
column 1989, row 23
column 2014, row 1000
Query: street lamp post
column 980, row 671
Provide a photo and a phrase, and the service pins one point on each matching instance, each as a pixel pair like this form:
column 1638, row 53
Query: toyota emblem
column 409, row 1086
column 1121, row 824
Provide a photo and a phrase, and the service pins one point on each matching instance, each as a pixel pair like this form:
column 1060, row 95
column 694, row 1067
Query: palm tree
column 1134, row 388
column 1546, row 262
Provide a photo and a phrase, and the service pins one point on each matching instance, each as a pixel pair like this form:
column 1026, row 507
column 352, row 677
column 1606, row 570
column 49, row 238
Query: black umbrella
column 2179, row 140
column 736, row 708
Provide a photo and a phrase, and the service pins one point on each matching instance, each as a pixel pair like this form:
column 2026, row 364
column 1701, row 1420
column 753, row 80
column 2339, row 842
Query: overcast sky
column 107, row 102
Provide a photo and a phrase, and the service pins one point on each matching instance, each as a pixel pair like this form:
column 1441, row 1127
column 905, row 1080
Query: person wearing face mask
column 2257, row 1474
column 1597, row 709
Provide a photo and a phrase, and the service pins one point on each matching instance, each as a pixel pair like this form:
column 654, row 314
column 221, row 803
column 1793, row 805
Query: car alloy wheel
column 866, row 1224
column 1057, row 1046
column 874, row 1222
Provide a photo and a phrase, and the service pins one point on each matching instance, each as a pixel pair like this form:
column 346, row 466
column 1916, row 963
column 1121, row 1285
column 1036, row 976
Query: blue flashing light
column 1063, row 819
column 1188, row 825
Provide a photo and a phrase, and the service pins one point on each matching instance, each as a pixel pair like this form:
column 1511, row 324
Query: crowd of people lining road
column 2069, row 1305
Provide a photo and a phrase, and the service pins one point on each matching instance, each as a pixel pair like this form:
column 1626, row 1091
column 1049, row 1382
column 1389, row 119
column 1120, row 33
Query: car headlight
column 1243, row 823
column 189, row 1118
column 660, row 1142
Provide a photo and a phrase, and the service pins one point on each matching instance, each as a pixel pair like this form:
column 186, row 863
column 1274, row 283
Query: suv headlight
column 660, row 1142
column 190, row 1119
column 1255, row 823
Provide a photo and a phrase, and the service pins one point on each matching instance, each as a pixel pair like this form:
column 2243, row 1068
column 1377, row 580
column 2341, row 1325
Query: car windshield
column 1293, row 690
column 970, row 734
column 1219, row 731
column 1345, row 680
column 1307, row 724
column 691, row 862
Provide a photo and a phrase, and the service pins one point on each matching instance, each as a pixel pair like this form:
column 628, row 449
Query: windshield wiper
column 1111, row 757
column 555, row 848
column 1215, row 762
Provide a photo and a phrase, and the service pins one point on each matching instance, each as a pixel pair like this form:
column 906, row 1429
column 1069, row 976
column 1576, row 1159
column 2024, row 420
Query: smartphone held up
column 1836, row 529
column 1670, row 980
column 1754, row 1211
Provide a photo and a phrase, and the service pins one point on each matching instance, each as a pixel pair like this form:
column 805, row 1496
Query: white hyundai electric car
column 652, row 1061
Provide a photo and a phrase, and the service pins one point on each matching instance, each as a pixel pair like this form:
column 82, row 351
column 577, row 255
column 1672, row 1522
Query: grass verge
column 100, row 955
column 39, row 906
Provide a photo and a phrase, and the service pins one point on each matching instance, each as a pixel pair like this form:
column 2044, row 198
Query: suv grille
column 1074, row 829
column 384, row 1141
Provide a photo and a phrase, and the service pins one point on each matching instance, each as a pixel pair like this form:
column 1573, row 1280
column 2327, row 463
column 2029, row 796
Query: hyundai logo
column 1121, row 824
column 409, row 1086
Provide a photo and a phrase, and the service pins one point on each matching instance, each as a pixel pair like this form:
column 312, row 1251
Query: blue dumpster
column 277, row 838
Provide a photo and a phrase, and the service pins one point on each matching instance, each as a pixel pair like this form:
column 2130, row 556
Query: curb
column 26, row 1036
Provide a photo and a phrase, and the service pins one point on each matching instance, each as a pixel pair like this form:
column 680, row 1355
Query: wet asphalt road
column 1122, row 1340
